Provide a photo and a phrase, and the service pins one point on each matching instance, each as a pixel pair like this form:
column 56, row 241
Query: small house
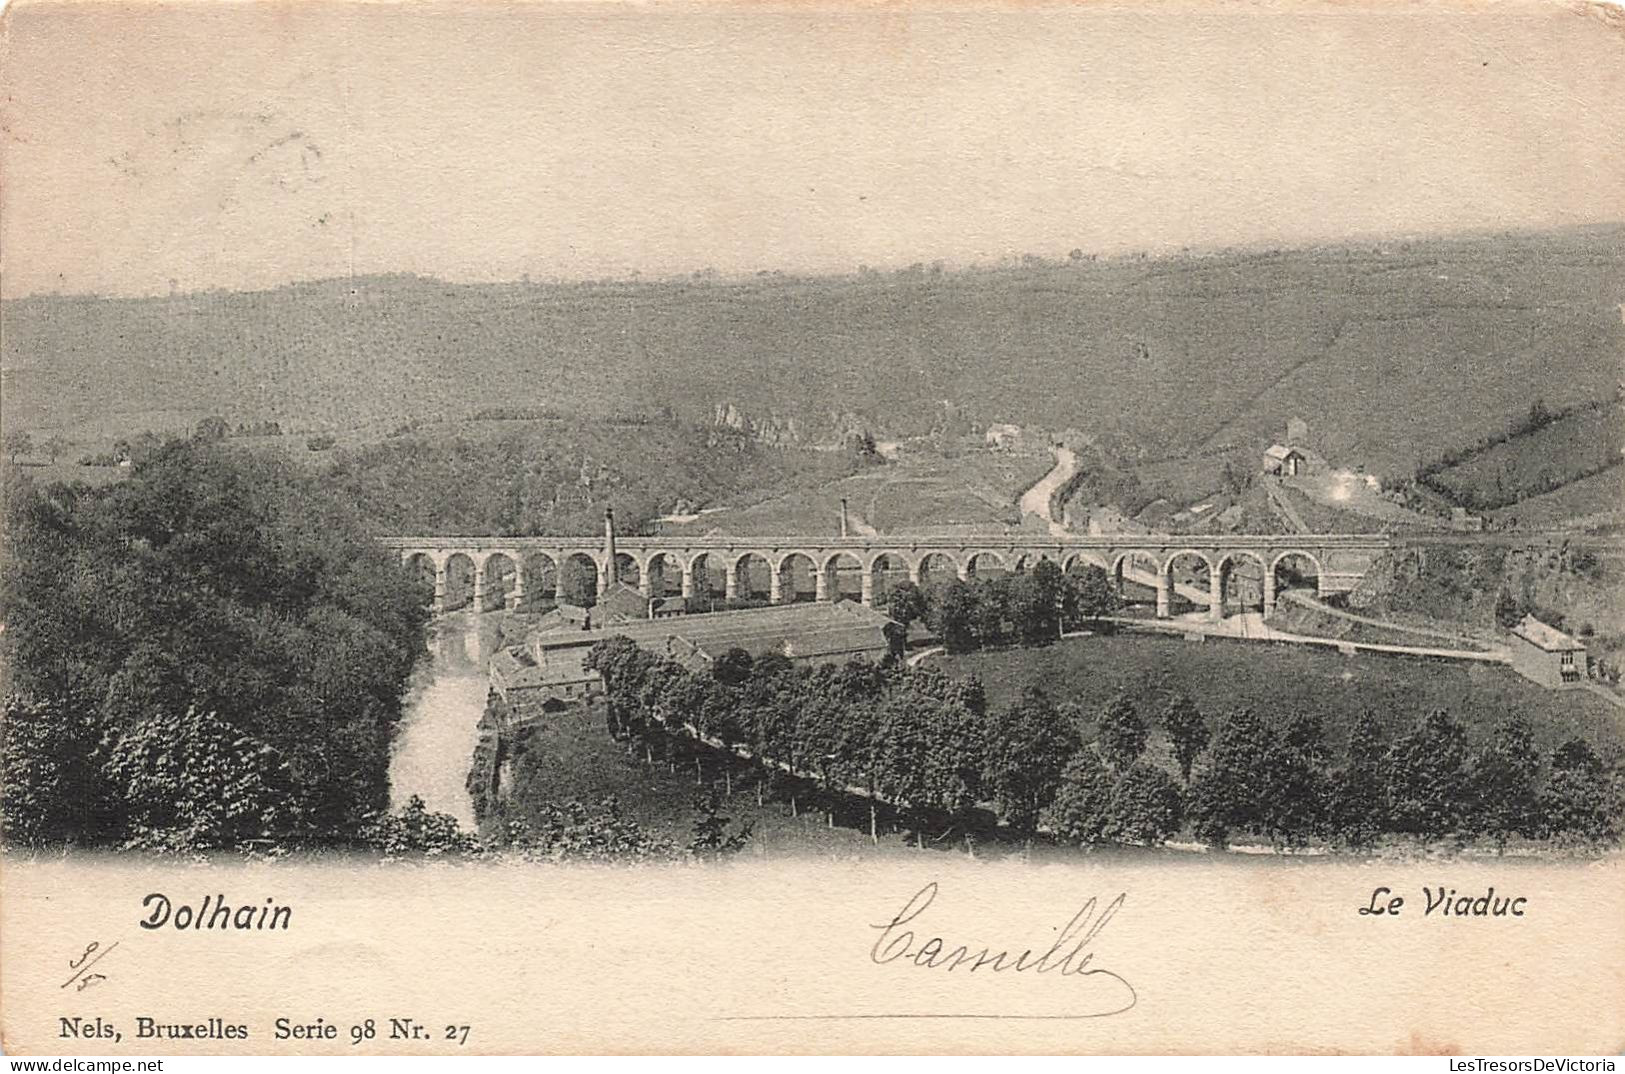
column 1003, row 437
column 1544, row 654
column 1285, row 461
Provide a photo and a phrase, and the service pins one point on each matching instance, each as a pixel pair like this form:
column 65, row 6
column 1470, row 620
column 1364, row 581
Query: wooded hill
column 1393, row 353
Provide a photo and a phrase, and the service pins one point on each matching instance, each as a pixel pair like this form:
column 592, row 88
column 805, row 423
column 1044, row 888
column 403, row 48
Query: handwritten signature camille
column 1068, row 956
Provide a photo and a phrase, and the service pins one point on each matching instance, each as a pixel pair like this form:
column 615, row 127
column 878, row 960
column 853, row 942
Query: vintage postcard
column 1053, row 527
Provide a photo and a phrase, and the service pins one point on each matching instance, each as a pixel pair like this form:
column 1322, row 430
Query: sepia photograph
column 819, row 522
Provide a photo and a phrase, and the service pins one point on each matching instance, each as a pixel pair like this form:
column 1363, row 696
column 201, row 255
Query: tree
column 1508, row 609
column 572, row 831
column 951, row 616
column 1081, row 811
column 55, row 446
column 577, row 584
column 212, row 428
column 710, row 835
column 198, row 783
column 1122, row 734
column 1428, row 787
column 1146, row 806
column 1235, row 479
column 234, row 640
column 1033, row 602
column 905, row 603
column 1505, row 773
column 733, row 667
column 18, row 443
column 1230, row 794
column 1358, row 811
column 54, row 790
column 415, row 832
column 1187, row 732
column 1580, row 802
column 1298, row 790
column 927, row 754
column 864, row 449
column 1538, row 416
column 1090, row 594
column 616, row 661
column 989, row 610
column 1028, row 746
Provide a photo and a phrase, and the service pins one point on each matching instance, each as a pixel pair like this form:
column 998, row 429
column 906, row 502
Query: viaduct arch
column 1339, row 560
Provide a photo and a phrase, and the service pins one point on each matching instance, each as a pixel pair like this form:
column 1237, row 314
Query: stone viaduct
column 513, row 565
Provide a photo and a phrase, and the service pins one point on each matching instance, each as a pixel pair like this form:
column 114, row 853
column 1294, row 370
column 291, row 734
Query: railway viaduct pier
column 509, row 568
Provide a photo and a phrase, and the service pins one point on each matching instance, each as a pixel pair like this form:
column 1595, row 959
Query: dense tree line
column 1029, row 607
column 211, row 654
column 1252, row 778
column 930, row 747
column 554, row 831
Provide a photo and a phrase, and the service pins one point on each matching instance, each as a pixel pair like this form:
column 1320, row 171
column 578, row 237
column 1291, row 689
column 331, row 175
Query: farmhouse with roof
column 1285, row 461
column 1546, row 655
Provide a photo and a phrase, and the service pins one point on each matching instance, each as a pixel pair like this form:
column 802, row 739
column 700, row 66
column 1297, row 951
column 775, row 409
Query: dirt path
column 1250, row 626
column 1305, row 600
column 1284, row 508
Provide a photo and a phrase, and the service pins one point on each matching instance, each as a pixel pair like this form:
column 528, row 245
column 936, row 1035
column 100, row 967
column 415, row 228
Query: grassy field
column 1281, row 681
column 1598, row 495
column 1393, row 354
column 917, row 494
column 1538, row 462
column 1296, row 618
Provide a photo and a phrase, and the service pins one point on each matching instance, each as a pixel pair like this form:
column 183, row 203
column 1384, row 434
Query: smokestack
column 609, row 546
column 843, row 516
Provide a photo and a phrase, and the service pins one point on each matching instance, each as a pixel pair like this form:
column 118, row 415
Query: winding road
column 1037, row 500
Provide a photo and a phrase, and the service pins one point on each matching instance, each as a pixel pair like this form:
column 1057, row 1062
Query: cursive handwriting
column 1068, row 956
column 94, row 953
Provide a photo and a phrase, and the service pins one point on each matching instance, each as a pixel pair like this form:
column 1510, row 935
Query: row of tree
column 215, row 427
column 20, row 442
column 1279, row 781
column 1031, row 607
column 930, row 747
column 211, row 654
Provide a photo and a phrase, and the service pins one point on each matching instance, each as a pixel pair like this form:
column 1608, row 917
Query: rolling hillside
column 1393, row 354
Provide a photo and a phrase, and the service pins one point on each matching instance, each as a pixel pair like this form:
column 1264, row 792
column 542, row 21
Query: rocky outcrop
column 778, row 429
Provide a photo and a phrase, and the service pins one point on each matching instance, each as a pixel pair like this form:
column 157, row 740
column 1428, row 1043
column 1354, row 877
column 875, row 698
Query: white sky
column 247, row 145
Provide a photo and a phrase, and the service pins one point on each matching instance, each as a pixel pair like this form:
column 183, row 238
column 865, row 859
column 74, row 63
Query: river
column 434, row 745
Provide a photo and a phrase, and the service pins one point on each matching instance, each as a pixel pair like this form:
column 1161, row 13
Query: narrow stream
column 439, row 727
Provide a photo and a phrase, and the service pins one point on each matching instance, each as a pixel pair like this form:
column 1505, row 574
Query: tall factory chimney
column 609, row 548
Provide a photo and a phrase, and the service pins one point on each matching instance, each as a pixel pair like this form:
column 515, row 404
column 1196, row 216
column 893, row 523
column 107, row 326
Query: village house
column 1544, row 654
column 1003, row 437
column 1463, row 520
column 1284, row 461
